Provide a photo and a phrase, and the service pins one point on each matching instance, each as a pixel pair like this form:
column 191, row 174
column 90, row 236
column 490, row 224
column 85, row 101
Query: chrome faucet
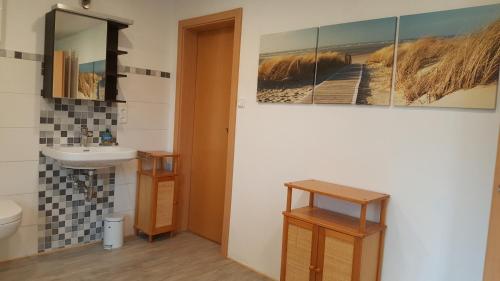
column 85, row 134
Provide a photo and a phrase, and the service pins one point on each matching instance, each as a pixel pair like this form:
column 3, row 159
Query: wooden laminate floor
column 183, row 257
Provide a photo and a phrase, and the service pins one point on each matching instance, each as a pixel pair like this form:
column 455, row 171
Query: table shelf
column 333, row 220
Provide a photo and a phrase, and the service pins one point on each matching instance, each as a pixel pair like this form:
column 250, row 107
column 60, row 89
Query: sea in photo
column 355, row 62
column 449, row 58
column 287, row 64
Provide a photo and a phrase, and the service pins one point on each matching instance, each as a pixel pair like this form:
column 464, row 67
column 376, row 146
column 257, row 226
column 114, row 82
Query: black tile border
column 4, row 53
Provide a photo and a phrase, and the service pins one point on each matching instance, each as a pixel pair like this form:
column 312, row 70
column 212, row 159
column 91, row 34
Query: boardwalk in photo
column 341, row 87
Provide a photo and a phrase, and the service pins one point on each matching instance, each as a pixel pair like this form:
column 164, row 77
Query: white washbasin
column 77, row 157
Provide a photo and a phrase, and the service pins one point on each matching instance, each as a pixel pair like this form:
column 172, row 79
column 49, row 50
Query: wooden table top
column 342, row 192
column 156, row 154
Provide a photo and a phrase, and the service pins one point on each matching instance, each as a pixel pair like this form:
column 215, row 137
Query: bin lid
column 114, row 218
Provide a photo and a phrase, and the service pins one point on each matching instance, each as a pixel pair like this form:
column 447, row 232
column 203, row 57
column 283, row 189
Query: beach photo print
column 355, row 62
column 449, row 58
column 287, row 63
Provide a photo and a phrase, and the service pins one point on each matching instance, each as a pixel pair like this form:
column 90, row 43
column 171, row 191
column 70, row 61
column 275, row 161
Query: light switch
column 122, row 113
column 241, row 102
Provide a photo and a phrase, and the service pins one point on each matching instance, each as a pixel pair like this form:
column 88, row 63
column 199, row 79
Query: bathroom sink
column 77, row 157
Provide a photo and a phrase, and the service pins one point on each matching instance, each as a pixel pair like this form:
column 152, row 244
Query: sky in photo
column 444, row 23
column 289, row 41
column 447, row 23
column 378, row 30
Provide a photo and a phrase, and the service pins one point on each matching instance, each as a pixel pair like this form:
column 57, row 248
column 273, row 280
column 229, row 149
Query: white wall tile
column 122, row 198
column 18, row 144
column 20, row 76
column 142, row 88
column 28, row 203
column 19, row 110
column 143, row 139
column 22, row 243
column 126, row 172
column 128, row 224
column 151, row 116
column 132, row 193
column 18, row 177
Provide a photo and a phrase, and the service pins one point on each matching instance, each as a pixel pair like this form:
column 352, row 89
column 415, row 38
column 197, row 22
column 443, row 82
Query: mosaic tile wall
column 61, row 120
column 65, row 217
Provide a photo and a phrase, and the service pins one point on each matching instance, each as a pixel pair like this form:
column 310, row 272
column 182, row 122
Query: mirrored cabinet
column 81, row 55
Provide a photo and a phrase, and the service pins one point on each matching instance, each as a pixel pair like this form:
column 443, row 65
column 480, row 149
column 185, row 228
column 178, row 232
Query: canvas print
column 449, row 58
column 287, row 64
column 91, row 80
column 355, row 62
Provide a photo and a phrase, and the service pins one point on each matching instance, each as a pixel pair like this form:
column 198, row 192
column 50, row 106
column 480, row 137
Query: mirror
column 79, row 62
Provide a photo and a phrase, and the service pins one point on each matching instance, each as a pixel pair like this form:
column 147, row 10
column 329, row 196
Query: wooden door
column 210, row 136
column 336, row 253
column 492, row 263
column 300, row 251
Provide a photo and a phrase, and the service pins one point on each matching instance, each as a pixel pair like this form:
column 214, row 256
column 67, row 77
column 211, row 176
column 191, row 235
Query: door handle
column 313, row 268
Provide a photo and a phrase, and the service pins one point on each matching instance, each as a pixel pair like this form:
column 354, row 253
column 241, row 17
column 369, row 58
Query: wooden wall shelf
column 118, row 52
column 118, row 75
column 322, row 245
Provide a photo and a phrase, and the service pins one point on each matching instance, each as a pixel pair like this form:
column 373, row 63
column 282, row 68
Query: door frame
column 184, row 109
column 492, row 242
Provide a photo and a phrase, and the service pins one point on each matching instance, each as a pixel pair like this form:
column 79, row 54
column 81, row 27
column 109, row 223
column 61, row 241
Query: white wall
column 20, row 84
column 436, row 163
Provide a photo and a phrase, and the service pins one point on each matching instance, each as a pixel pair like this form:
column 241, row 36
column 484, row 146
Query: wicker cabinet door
column 335, row 256
column 165, row 203
column 299, row 250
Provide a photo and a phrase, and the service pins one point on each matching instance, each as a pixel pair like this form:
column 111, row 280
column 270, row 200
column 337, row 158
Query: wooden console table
column 321, row 245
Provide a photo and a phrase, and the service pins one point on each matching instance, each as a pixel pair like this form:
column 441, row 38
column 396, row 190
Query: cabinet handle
column 317, row 269
column 311, row 267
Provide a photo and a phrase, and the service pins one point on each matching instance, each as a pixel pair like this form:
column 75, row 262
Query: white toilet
column 10, row 218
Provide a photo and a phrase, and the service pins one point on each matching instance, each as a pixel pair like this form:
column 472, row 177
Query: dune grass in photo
column 450, row 71
column 287, row 65
column 288, row 77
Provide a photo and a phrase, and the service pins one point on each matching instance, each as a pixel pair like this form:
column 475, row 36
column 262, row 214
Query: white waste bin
column 113, row 232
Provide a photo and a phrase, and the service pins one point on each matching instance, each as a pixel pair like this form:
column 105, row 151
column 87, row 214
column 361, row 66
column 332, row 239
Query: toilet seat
column 9, row 212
